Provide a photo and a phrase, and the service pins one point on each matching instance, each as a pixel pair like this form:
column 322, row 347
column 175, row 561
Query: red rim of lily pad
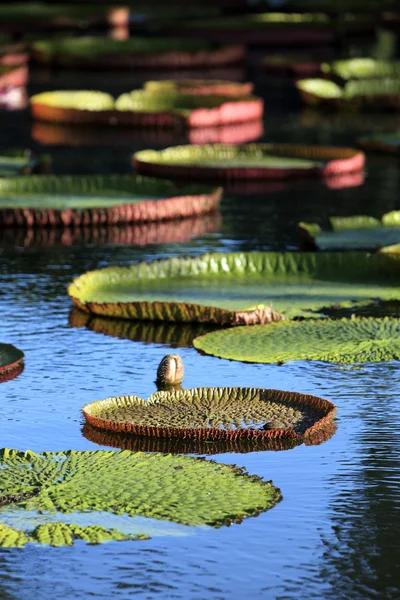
column 230, row 110
column 15, row 367
column 336, row 161
column 327, row 409
column 215, row 57
column 134, row 443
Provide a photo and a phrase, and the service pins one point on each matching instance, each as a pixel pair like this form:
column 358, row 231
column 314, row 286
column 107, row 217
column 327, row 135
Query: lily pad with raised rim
column 214, row 414
column 368, row 93
column 237, row 288
column 178, row 489
column 362, row 68
column 260, row 161
column 79, row 200
column 199, row 86
column 137, row 52
column 11, row 362
column 142, row 108
column 353, row 233
column 344, row 341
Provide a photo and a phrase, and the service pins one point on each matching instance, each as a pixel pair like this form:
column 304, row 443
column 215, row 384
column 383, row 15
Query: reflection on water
column 335, row 534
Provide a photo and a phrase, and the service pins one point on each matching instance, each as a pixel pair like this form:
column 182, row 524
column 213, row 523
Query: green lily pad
column 236, row 288
column 264, row 21
column 273, row 161
column 344, row 341
column 42, row 14
column 213, row 414
column 16, row 162
column 362, row 68
column 54, row 200
column 180, row 489
column 199, row 86
column 354, row 233
column 11, row 362
column 365, row 92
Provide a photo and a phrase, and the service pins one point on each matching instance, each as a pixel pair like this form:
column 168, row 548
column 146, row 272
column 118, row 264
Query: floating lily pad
column 134, row 443
column 342, row 341
column 386, row 142
column 13, row 76
column 361, row 68
column 199, row 86
column 353, row 233
column 180, row 489
column 373, row 93
column 11, row 362
column 295, row 65
column 17, row 162
column 262, row 161
column 236, row 288
column 144, row 109
column 213, row 414
column 79, row 200
column 137, row 52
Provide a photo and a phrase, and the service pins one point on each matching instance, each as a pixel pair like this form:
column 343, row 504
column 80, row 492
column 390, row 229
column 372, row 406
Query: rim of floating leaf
column 218, row 269
column 354, row 232
column 11, row 362
column 147, row 52
column 133, row 443
column 367, row 93
column 13, row 76
column 361, row 68
column 300, row 65
column 385, row 142
column 280, row 161
column 133, row 484
column 219, row 87
column 171, row 404
column 141, row 108
column 85, row 200
column 346, row 341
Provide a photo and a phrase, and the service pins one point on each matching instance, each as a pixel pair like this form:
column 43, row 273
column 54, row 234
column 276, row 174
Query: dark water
column 335, row 534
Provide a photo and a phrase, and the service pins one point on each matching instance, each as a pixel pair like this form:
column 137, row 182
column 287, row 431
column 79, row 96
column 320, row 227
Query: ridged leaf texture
column 342, row 341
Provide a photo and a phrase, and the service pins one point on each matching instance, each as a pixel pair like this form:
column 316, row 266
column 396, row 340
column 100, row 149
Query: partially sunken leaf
column 214, row 414
column 268, row 161
column 353, row 233
column 236, row 288
column 54, row 200
column 343, row 341
column 11, row 362
column 180, row 489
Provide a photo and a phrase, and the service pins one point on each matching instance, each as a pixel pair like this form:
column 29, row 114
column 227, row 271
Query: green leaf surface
column 352, row 90
column 362, row 68
column 62, row 192
column 180, row 489
column 9, row 355
column 342, row 341
column 292, row 283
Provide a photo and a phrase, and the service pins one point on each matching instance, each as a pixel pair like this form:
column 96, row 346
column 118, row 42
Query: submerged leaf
column 342, row 341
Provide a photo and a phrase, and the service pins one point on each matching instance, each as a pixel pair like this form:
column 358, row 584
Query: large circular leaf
column 237, row 288
column 11, row 362
column 263, row 161
column 341, row 341
column 214, row 414
column 54, row 200
column 174, row 488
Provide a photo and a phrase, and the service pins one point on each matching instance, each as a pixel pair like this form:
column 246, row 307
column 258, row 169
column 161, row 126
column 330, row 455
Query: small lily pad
column 236, row 288
column 353, row 233
column 179, row 489
column 262, row 161
column 79, row 200
column 344, row 341
column 364, row 93
column 17, row 162
column 213, row 414
column 211, row 87
column 11, row 362
column 362, row 68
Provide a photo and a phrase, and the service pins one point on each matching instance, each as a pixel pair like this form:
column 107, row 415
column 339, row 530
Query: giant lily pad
column 214, row 414
column 236, row 288
column 361, row 68
column 340, row 341
column 137, row 52
column 354, row 233
column 52, row 200
column 144, row 108
column 373, row 93
column 199, row 86
column 386, row 142
column 180, row 489
column 11, row 362
column 260, row 161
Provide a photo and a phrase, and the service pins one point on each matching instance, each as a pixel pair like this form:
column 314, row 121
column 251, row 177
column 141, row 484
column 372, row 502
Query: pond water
column 335, row 533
